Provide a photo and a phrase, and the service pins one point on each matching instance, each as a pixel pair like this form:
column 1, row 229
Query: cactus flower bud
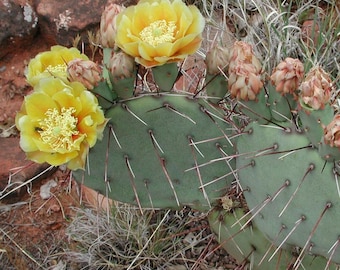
column 244, row 82
column 84, row 71
column 244, row 72
column 287, row 76
column 332, row 132
column 316, row 89
column 121, row 65
column 243, row 52
column 217, row 58
column 108, row 27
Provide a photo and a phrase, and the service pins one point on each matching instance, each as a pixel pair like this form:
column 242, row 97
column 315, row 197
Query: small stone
column 45, row 189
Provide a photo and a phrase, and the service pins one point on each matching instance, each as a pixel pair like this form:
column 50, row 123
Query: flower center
column 58, row 128
column 56, row 69
column 158, row 32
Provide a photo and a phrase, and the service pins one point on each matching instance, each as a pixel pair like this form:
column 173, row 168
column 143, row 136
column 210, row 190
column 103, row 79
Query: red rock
column 19, row 24
column 15, row 169
column 62, row 20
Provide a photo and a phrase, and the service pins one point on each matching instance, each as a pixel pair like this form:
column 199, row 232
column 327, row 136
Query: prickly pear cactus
column 250, row 247
column 288, row 171
column 292, row 192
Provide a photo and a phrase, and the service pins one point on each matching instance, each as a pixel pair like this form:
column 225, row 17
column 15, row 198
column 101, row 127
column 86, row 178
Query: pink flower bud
column 122, row 65
column 332, row 132
column 108, row 27
column 316, row 88
column 84, row 71
column 287, row 76
column 244, row 82
column 217, row 59
column 244, row 72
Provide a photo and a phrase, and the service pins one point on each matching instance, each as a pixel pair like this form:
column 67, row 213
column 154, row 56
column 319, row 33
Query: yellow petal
column 54, row 159
column 37, row 104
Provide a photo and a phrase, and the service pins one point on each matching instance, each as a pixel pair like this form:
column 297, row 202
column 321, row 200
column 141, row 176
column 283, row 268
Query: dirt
column 28, row 223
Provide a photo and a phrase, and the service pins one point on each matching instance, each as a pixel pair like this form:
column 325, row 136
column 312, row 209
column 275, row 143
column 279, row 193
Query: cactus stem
column 332, row 251
column 132, row 177
column 299, row 259
column 309, row 169
column 297, row 223
column 199, row 173
column 124, row 106
column 115, row 136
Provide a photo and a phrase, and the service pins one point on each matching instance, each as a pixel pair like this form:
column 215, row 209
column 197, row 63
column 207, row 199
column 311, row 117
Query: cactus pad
column 162, row 150
column 288, row 185
column 252, row 249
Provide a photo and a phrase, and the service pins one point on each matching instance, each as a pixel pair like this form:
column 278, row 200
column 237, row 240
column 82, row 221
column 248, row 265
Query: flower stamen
column 56, row 69
column 59, row 128
column 158, row 32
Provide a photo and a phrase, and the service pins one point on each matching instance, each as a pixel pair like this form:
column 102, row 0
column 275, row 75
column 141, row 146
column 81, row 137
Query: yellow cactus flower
column 52, row 63
column 59, row 122
column 156, row 32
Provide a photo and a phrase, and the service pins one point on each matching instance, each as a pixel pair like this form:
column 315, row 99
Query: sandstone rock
column 60, row 21
column 19, row 23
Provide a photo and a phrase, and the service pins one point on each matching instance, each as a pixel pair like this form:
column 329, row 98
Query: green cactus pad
column 216, row 87
column 281, row 106
column 165, row 76
column 314, row 120
column 252, row 249
column 288, row 184
column 257, row 110
column 162, row 151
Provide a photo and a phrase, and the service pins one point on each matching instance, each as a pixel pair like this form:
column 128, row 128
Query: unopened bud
column 245, row 71
column 122, row 65
column 217, row 59
column 287, row 76
column 243, row 52
column 108, row 27
column 244, row 82
column 316, row 88
column 332, row 132
column 84, row 71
